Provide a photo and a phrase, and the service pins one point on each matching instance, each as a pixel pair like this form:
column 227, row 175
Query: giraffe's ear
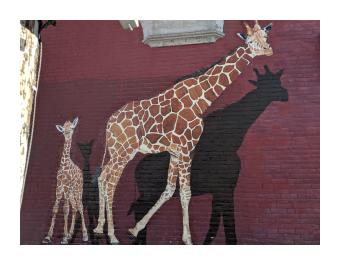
column 268, row 27
column 74, row 123
column 242, row 36
column 60, row 128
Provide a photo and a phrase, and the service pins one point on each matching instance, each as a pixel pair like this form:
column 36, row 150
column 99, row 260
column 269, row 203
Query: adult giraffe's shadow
column 216, row 164
column 90, row 194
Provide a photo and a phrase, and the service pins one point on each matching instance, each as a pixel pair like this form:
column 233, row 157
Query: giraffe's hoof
column 131, row 235
column 187, row 241
column 114, row 242
column 98, row 230
column 46, row 240
column 85, row 238
column 64, row 241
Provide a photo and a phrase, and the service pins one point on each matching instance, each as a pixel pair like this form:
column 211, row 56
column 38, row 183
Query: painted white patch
column 144, row 149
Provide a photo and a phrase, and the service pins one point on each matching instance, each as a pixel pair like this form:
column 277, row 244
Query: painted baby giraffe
column 172, row 122
column 69, row 187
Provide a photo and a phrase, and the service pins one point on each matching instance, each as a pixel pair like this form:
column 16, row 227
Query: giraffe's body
column 69, row 187
column 172, row 122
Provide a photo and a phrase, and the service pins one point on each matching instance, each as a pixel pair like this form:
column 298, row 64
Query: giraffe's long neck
column 213, row 82
column 66, row 152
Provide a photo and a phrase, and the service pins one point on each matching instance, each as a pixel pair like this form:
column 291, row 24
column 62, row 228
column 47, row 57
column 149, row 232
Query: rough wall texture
column 29, row 64
column 92, row 68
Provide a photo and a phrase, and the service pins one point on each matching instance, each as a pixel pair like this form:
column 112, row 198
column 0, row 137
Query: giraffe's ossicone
column 69, row 187
column 172, row 122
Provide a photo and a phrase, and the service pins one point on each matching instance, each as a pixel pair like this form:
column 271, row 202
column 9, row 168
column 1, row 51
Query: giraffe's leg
column 165, row 196
column 185, row 193
column 66, row 213
column 48, row 238
column 141, row 208
column 110, row 226
column 102, row 194
column 74, row 213
column 115, row 174
column 84, row 230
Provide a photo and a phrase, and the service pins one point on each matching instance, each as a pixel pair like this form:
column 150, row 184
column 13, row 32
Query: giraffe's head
column 256, row 39
column 67, row 129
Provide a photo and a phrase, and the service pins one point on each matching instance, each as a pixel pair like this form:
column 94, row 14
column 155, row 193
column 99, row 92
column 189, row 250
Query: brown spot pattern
column 213, row 80
column 209, row 95
column 241, row 64
column 181, row 125
column 217, row 70
column 145, row 103
column 190, row 82
column 154, row 100
column 223, row 80
column 232, row 59
column 187, row 114
column 135, row 121
column 130, row 131
column 176, row 105
column 154, row 109
column 187, row 102
column 202, row 105
column 202, row 78
column 228, row 68
column 218, row 89
column 195, row 92
column 153, row 137
column 240, row 52
column 205, row 85
column 169, row 94
column 196, row 132
column 164, row 141
column 180, row 92
column 169, row 122
column 233, row 75
column 149, row 123
column 120, row 117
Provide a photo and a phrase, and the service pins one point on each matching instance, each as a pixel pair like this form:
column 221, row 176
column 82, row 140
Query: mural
column 69, row 187
column 251, row 173
column 215, row 167
column 172, row 122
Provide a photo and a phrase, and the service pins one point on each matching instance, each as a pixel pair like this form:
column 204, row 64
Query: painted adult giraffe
column 69, row 187
column 172, row 122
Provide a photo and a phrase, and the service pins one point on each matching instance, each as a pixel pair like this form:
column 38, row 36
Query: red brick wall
column 91, row 68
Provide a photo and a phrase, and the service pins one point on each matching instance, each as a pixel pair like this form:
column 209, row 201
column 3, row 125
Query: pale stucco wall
column 29, row 64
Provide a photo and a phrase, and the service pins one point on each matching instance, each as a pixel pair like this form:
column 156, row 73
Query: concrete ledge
column 161, row 33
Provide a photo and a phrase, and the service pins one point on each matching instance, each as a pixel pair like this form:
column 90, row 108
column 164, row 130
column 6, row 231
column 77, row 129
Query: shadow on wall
column 90, row 195
column 216, row 164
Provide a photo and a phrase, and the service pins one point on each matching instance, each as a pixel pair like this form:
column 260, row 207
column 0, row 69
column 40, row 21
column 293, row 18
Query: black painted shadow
column 90, row 195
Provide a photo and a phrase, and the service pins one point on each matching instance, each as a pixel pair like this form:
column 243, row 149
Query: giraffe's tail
column 132, row 208
column 99, row 169
column 104, row 156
